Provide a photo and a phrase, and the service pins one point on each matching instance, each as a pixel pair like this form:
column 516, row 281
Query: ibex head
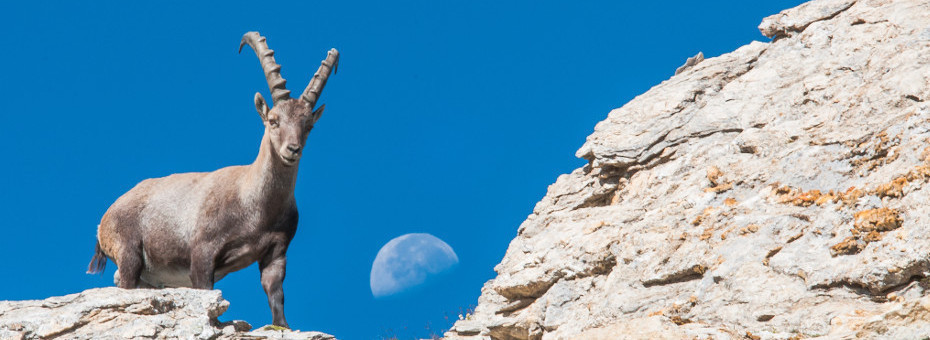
column 289, row 121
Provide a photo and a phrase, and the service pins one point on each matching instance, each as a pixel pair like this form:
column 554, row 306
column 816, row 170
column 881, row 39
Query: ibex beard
column 191, row 229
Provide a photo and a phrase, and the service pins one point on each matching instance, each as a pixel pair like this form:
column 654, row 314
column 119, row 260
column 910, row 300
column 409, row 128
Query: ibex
column 191, row 229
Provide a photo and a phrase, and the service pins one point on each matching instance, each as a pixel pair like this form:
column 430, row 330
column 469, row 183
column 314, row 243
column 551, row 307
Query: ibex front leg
column 203, row 263
column 272, row 268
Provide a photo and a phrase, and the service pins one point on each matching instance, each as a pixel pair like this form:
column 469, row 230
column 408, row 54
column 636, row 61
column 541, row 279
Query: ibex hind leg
column 129, row 268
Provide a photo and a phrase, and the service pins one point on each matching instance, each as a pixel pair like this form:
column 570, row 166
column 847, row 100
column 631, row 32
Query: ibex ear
column 260, row 106
column 316, row 114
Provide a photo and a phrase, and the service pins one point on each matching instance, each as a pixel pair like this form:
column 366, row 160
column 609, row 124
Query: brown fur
column 192, row 229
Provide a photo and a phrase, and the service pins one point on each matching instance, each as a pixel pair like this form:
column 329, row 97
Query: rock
column 114, row 313
column 774, row 192
column 697, row 58
column 272, row 332
column 797, row 19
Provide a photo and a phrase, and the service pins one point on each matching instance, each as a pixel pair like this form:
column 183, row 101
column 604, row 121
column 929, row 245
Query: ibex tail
column 98, row 262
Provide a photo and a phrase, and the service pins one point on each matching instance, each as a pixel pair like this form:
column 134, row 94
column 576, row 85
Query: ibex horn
column 271, row 68
column 313, row 90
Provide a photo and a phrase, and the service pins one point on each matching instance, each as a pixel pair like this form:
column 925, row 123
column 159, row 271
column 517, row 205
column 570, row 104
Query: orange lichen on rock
column 881, row 219
column 729, row 201
column 847, row 247
column 879, row 155
column 723, row 236
column 851, row 195
column 918, row 173
column 893, row 297
column 699, row 269
column 805, row 199
column 675, row 312
column 785, row 194
column 771, row 253
column 720, row 188
column 678, row 320
column 872, row 236
column 875, row 152
column 800, row 198
column 797, row 197
column 717, row 184
column 713, row 175
column 825, row 198
column 872, row 154
column 704, row 214
column 895, row 188
column 869, row 226
column 708, row 233
column 749, row 229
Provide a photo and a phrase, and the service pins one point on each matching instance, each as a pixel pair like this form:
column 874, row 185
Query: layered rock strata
column 779, row 191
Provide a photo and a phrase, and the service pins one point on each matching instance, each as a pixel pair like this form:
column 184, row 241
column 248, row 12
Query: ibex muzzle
column 191, row 229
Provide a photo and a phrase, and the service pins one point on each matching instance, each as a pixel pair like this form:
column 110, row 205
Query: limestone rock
column 697, row 58
column 774, row 192
column 114, row 313
column 270, row 332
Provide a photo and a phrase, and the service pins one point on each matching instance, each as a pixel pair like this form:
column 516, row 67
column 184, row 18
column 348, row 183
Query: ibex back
column 191, row 229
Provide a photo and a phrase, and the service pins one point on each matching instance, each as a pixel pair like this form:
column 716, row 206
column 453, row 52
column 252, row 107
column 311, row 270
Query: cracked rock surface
column 779, row 191
column 114, row 313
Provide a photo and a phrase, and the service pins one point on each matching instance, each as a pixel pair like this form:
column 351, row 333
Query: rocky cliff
column 779, row 191
column 114, row 313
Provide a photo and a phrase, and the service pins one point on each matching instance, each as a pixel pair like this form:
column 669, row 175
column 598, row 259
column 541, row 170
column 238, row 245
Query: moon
column 408, row 261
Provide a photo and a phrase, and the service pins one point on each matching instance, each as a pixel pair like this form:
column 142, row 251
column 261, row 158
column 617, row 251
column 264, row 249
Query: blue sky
column 446, row 117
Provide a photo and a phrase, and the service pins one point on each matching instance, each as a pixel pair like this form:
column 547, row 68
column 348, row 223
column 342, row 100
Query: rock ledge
column 114, row 313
